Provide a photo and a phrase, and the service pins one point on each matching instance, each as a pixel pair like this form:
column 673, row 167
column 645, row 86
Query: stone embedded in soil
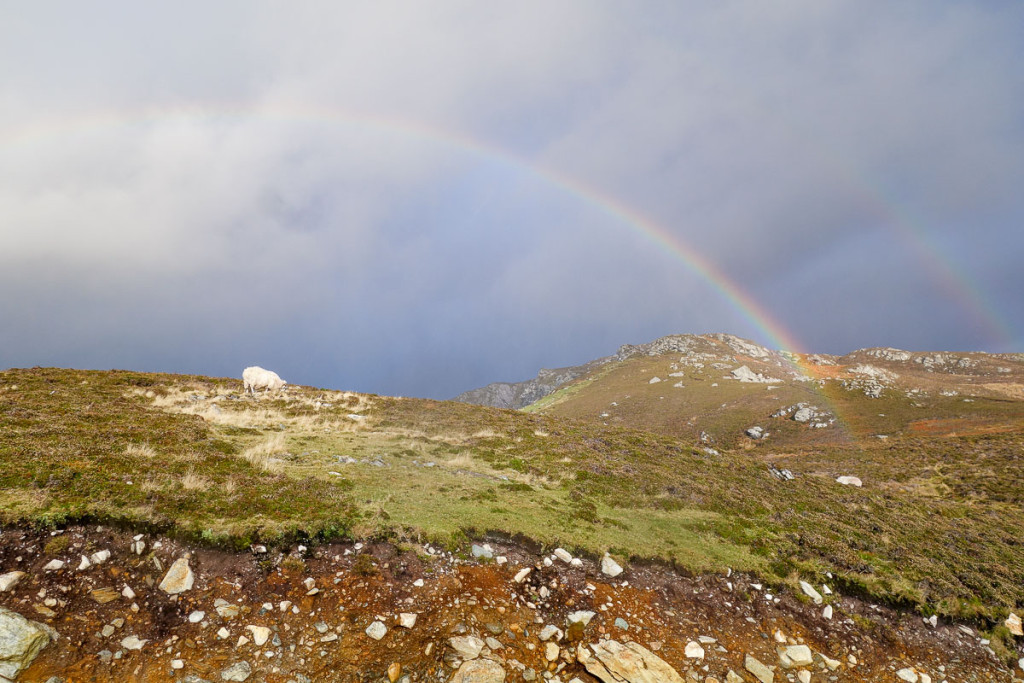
column 551, row 651
column 694, row 650
column 614, row 662
column 53, row 565
column 238, row 671
column 104, row 595
column 133, row 643
column 100, row 557
column 407, row 619
column 20, row 641
column 376, row 630
column 610, row 567
column 563, row 555
column 10, row 580
column 522, row 574
column 468, row 647
column 1014, row 624
column 759, row 670
column 908, row 675
column 810, row 592
column 795, row 656
column 260, row 634
column 179, row 577
column 479, row 671
column 196, row 616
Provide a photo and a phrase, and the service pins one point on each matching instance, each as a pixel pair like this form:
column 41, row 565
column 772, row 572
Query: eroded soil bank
column 304, row 615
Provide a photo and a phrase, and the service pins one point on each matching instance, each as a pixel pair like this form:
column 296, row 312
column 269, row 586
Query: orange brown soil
column 663, row 610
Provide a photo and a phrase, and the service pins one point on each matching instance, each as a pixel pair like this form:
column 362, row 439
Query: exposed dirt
column 321, row 633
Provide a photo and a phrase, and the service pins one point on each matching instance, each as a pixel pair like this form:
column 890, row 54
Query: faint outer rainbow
column 740, row 300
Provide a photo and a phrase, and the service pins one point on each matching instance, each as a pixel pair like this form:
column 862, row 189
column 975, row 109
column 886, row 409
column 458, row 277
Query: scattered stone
column 196, row 616
column 479, row 671
column 376, row 630
column 10, row 580
column 694, row 650
column 755, row 432
column 100, row 557
column 104, row 595
column 407, row 619
column 550, row 631
column 580, row 616
column 849, row 481
column 610, row 567
column 468, row 647
column 238, row 671
column 21, row 641
column 563, row 555
column 483, row 551
column 260, row 634
column 795, row 656
column 1014, row 624
column 621, row 623
column 53, row 565
column 179, row 577
column 84, row 564
column 225, row 609
column 128, row 592
column 522, row 574
column 908, row 675
column 809, row 591
column 759, row 670
column 614, row 662
column 827, row 612
column 551, row 651
column 177, row 664
column 133, row 643
column 394, row 671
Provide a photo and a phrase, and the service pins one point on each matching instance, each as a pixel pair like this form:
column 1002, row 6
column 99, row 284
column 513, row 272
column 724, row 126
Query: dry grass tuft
column 143, row 450
column 195, row 482
column 261, row 455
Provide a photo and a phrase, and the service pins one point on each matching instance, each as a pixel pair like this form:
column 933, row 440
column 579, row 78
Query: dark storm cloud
column 198, row 188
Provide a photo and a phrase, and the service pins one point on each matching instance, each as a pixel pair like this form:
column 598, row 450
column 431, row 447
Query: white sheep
column 256, row 377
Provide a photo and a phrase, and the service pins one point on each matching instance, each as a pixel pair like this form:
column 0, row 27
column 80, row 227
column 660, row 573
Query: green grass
column 935, row 528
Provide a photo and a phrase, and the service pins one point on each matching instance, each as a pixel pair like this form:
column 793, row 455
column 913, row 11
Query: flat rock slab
column 479, row 671
column 615, row 662
column 20, row 641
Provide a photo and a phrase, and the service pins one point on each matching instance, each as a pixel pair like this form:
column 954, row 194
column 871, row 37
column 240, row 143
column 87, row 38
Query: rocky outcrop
column 517, row 395
column 20, row 641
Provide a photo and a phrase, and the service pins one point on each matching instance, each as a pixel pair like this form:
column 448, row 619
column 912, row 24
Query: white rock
column 376, row 630
column 196, row 616
column 468, row 647
column 10, row 580
column 53, row 565
column 260, row 634
column 694, row 650
column 100, row 557
column 804, row 676
column 827, row 612
column 795, row 655
column 932, row 621
column 418, row 583
column 576, row 562
column 849, row 481
column 551, row 631
column 179, row 577
column 908, row 675
column 133, row 643
column 407, row 619
column 610, row 660
column 809, row 591
column 1014, row 624
column 522, row 574
column 580, row 616
column 654, row 380
column 551, row 651
column 84, row 564
column 177, row 664
column 563, row 555
column 610, row 567
column 223, row 633
column 242, row 640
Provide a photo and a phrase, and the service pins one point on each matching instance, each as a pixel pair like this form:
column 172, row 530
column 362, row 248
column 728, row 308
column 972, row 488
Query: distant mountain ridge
column 517, row 395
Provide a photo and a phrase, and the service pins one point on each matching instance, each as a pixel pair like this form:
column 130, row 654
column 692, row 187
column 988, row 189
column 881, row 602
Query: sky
column 417, row 199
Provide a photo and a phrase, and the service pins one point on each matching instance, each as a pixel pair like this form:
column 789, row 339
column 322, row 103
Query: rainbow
column 759, row 318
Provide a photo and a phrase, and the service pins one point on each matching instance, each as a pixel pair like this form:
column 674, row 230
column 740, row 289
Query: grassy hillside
column 936, row 525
